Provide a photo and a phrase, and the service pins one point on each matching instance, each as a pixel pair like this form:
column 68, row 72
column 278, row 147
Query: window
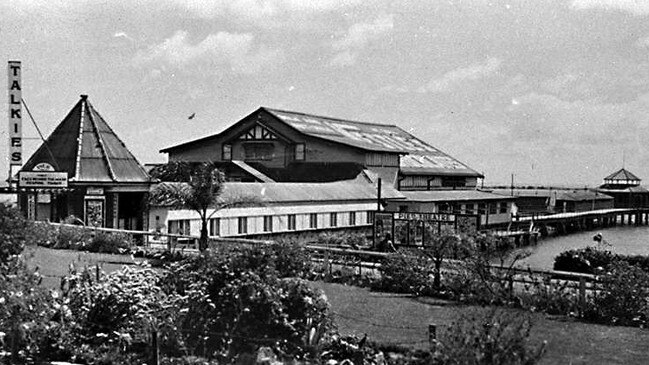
column 493, row 208
column 352, row 218
column 333, row 219
column 291, row 222
column 215, row 226
column 242, row 223
column 299, row 152
column 227, row 152
column 482, row 208
column 369, row 218
column 445, row 208
column 179, row 226
column 453, row 181
column 268, row 223
column 469, row 209
column 503, row 207
column 259, row 151
column 313, row 220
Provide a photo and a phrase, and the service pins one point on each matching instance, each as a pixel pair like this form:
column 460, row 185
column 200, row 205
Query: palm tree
column 196, row 187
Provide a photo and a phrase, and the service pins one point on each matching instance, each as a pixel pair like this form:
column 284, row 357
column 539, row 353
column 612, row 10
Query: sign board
column 44, row 198
column 43, row 166
column 42, row 179
column 415, row 229
column 94, row 191
column 15, row 114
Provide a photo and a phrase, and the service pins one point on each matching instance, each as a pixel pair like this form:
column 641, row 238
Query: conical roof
column 622, row 174
column 84, row 146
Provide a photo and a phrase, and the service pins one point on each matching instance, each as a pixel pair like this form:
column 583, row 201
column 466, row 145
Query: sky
column 552, row 91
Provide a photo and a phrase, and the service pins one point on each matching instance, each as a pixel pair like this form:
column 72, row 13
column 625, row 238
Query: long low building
column 492, row 208
column 281, row 209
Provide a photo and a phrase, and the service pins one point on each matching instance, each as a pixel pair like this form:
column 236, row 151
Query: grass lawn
column 399, row 319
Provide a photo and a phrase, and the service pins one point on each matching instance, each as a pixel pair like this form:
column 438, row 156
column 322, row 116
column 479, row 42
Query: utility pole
column 378, row 196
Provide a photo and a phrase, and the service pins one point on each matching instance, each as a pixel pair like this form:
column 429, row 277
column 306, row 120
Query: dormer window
column 227, row 152
column 299, row 152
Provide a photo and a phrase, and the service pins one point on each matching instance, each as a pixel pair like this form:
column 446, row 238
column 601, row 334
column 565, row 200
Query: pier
column 527, row 227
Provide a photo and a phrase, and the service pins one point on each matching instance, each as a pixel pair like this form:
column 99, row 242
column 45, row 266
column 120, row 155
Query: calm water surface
column 629, row 240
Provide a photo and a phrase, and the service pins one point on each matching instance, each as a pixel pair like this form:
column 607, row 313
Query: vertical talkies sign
column 15, row 114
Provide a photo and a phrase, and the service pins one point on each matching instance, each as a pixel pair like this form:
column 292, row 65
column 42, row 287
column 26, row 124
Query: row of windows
column 261, row 151
column 182, row 226
column 481, row 208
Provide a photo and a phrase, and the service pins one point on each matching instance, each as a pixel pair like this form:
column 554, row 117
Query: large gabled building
column 279, row 146
column 295, row 147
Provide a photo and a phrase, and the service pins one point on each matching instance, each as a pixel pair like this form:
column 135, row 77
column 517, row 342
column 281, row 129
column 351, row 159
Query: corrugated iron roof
column 353, row 190
column 84, row 146
column 420, row 157
column 622, row 174
column 629, row 190
column 560, row 194
column 452, row 195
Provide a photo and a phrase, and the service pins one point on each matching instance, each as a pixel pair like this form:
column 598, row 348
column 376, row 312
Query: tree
column 201, row 192
column 438, row 247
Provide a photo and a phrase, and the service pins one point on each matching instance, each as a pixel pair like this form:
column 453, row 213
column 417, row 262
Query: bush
column 406, row 274
column 491, row 336
column 235, row 303
column 105, row 242
column 586, row 260
column 116, row 314
column 12, row 233
column 352, row 240
column 76, row 238
column 623, row 297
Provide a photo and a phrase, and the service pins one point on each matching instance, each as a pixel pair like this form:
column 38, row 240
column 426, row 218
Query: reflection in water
column 629, row 240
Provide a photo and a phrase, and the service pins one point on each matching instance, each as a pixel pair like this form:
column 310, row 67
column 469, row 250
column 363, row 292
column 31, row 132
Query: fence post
column 510, row 279
column 582, row 296
column 155, row 349
column 432, row 336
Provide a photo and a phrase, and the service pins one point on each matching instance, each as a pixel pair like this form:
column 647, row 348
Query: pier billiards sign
column 43, row 177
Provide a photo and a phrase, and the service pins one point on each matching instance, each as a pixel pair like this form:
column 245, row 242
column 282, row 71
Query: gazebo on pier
column 625, row 188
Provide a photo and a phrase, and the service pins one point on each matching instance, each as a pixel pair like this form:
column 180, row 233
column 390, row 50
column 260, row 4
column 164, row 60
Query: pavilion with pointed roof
column 107, row 186
column 625, row 188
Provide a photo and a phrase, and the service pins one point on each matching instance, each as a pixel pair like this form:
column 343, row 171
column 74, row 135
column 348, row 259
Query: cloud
column 253, row 11
column 236, row 50
column 643, row 42
column 123, row 35
column 635, row 7
column 452, row 78
column 357, row 37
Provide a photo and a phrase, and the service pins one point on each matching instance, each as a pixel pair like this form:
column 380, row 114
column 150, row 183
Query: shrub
column 586, row 260
column 406, row 274
column 116, row 314
column 12, row 233
column 552, row 297
column 623, row 296
column 105, row 242
column 236, row 303
column 27, row 312
column 491, row 336
column 353, row 240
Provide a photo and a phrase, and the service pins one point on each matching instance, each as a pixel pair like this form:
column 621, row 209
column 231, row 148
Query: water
column 628, row 240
